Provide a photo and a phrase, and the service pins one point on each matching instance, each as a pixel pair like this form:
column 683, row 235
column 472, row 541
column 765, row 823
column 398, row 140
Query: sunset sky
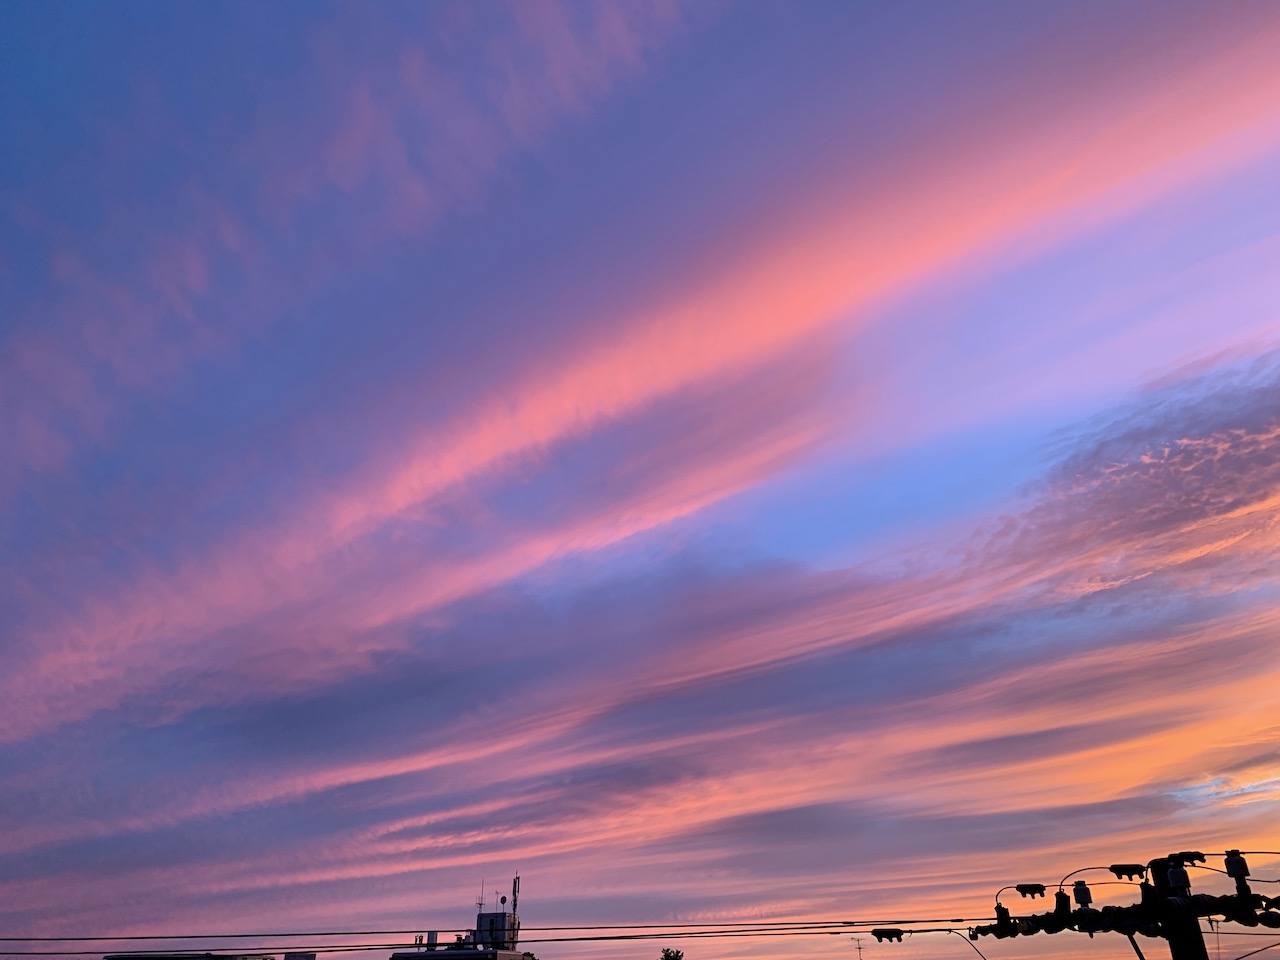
column 726, row 461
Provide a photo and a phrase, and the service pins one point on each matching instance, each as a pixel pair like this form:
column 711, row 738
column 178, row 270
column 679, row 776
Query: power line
column 1241, row 933
column 753, row 923
column 1083, row 920
column 345, row 948
column 1201, row 866
column 969, row 942
column 1259, row 950
column 729, row 924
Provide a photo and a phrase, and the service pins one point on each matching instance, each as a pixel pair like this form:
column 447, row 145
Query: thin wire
column 1074, row 872
column 1014, row 886
column 691, row 934
column 339, row 948
column 750, row 923
column 1096, row 883
column 249, row 951
column 726, row 923
column 1259, row 950
column 392, row 933
column 353, row 948
column 1201, row 866
column 215, row 936
column 1112, row 883
column 969, row 942
column 1243, row 933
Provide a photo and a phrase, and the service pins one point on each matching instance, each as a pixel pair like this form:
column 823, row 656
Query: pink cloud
column 1162, row 706
column 744, row 435
column 788, row 286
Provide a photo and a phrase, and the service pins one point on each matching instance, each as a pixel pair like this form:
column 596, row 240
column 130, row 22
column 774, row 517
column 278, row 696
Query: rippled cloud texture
column 723, row 462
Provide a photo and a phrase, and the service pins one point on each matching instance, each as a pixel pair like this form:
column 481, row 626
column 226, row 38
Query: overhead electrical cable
column 730, row 924
column 346, row 948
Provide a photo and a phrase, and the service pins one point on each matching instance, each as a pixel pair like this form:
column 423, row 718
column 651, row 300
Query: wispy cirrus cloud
column 773, row 297
column 382, row 148
column 767, row 712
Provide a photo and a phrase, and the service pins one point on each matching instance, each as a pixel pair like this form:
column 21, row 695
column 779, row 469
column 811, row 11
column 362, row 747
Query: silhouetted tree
column 669, row 954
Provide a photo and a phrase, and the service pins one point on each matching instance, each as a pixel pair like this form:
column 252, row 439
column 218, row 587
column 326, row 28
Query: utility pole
column 1168, row 909
column 1180, row 927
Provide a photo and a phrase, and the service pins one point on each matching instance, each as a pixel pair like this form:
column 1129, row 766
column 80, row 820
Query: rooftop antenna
column 480, row 899
column 515, row 892
column 858, row 941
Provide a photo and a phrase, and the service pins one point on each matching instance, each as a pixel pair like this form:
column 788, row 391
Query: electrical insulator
column 887, row 933
column 1030, row 889
column 1062, row 904
column 1236, row 865
column 1128, row 871
column 1178, row 879
column 1081, row 892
